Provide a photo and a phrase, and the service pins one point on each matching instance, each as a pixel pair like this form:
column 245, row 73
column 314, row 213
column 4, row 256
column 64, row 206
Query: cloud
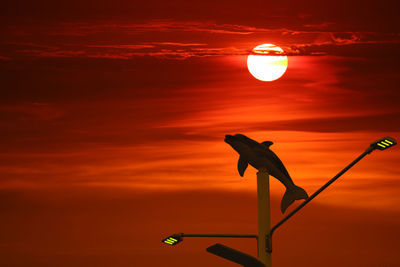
column 35, row 111
column 345, row 38
column 379, row 123
column 178, row 44
column 173, row 39
column 5, row 58
column 339, row 124
column 319, row 26
column 124, row 46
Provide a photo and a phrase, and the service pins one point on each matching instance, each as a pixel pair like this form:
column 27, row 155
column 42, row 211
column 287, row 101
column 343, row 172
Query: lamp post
column 380, row 144
column 264, row 216
column 265, row 232
column 178, row 237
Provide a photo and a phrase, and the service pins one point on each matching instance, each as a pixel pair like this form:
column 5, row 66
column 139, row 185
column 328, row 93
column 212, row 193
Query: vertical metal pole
column 264, row 216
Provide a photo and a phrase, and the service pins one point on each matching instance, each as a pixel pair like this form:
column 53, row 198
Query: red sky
column 113, row 115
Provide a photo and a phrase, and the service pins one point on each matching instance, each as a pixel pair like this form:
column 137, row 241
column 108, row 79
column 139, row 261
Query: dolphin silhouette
column 259, row 156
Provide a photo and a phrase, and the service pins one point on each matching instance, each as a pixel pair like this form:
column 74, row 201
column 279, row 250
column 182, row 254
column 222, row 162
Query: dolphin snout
column 228, row 138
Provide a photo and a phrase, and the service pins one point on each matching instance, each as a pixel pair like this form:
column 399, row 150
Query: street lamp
column 173, row 239
column 384, row 143
column 178, row 237
column 264, row 237
column 380, row 144
column 221, row 250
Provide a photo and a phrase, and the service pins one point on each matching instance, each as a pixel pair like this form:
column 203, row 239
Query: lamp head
column 173, row 239
column 383, row 143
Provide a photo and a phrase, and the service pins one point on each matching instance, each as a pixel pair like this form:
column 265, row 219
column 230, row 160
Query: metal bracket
column 268, row 243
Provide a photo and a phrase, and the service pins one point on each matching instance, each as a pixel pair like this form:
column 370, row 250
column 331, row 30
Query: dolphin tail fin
column 291, row 195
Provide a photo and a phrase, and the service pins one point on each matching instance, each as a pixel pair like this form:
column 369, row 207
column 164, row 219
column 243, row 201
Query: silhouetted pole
column 264, row 216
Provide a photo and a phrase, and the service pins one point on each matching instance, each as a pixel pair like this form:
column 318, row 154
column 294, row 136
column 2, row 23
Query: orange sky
column 113, row 116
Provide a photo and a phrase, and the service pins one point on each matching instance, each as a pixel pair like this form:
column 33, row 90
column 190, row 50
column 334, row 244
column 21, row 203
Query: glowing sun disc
column 267, row 62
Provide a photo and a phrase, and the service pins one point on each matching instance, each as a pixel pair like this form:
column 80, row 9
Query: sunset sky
column 113, row 116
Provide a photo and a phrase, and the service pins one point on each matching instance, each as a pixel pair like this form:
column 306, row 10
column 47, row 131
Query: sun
column 267, row 62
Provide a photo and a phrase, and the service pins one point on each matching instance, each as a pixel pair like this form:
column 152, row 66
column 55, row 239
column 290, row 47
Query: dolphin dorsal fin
column 242, row 165
column 267, row 143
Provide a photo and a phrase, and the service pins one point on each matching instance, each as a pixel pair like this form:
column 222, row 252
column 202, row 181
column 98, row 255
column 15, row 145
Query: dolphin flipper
column 242, row 166
column 291, row 195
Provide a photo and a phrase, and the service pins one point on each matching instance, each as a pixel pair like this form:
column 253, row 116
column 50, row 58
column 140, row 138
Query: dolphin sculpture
column 260, row 156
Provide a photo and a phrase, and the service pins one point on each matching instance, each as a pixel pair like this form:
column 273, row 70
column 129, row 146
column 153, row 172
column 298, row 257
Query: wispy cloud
column 35, row 111
column 178, row 44
column 132, row 51
column 178, row 40
column 124, row 46
column 5, row 58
